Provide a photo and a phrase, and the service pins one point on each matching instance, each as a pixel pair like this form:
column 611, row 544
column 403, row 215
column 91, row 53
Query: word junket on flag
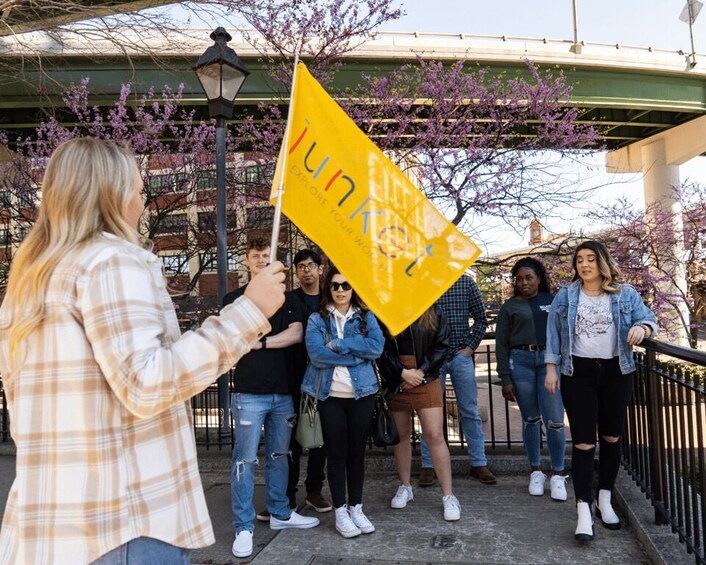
column 397, row 250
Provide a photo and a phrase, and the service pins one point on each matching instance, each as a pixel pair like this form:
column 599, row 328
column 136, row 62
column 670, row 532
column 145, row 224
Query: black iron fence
column 664, row 441
column 502, row 423
column 664, row 448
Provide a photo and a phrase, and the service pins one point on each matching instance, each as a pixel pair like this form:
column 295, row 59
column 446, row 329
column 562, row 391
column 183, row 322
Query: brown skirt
column 422, row 396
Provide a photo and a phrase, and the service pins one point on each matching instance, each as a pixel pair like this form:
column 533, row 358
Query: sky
column 643, row 23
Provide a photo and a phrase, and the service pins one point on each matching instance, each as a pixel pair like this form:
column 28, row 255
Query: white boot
column 584, row 524
column 605, row 511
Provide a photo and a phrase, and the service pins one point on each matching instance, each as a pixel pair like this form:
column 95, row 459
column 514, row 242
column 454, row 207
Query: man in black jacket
column 262, row 396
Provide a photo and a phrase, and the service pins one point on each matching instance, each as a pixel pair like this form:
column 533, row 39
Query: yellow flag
column 392, row 244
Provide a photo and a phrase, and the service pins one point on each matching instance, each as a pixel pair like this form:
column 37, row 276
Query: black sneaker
column 263, row 515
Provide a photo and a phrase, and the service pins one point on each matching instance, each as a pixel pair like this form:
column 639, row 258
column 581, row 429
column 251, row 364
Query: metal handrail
column 664, row 449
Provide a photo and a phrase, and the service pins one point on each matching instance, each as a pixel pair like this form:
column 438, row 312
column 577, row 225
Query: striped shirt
column 461, row 302
column 100, row 410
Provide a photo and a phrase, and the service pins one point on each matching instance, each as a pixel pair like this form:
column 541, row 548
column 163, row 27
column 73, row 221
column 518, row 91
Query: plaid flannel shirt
column 461, row 302
column 100, row 410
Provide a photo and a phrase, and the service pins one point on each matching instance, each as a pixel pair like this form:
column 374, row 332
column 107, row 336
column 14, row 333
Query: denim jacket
column 627, row 308
column 354, row 351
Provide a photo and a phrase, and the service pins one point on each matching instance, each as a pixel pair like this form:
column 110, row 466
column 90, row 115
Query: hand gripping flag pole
column 280, row 188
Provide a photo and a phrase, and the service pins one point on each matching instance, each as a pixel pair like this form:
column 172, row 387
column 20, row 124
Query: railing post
column 5, row 419
column 656, row 436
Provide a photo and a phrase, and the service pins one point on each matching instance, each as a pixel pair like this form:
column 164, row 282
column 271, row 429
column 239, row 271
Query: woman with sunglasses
column 343, row 339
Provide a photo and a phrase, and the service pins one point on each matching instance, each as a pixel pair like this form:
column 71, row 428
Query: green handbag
column 309, row 433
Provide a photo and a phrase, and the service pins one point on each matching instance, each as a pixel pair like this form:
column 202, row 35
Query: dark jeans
column 595, row 398
column 314, row 469
column 345, row 423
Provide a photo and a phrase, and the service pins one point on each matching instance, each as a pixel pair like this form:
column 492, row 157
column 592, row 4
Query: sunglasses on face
column 344, row 285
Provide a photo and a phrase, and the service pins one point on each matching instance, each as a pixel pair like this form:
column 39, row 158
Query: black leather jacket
column 429, row 349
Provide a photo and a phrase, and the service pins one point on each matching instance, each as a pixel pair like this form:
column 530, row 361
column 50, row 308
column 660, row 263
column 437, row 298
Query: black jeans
column 345, row 423
column 595, row 397
column 314, row 469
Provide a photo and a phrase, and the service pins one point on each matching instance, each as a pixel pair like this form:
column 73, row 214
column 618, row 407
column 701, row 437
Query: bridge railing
column 664, row 448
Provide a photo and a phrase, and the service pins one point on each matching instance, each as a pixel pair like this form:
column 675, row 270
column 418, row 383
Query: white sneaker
column 452, row 508
column 605, row 512
column 557, row 487
column 361, row 520
column 344, row 524
column 295, row 521
column 403, row 496
column 536, row 484
column 242, row 546
column 584, row 522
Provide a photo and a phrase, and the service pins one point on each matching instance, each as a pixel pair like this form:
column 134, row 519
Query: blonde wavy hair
column 87, row 188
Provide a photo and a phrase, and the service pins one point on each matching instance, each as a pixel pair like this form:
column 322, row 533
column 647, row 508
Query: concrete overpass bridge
column 631, row 93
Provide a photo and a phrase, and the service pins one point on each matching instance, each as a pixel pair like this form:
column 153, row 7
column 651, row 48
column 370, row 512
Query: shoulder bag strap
column 321, row 371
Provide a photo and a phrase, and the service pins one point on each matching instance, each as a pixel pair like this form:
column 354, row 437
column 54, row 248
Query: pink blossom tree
column 481, row 144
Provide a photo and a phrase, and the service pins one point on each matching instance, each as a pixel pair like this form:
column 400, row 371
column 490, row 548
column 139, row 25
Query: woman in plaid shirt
column 98, row 377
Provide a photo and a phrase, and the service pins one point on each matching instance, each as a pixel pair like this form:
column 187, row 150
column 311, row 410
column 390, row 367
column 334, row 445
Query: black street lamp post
column 221, row 73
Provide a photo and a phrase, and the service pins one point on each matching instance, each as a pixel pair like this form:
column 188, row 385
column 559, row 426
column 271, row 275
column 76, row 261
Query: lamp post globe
column 221, row 74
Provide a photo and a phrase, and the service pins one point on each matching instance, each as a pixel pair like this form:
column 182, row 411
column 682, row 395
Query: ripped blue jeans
column 537, row 406
column 250, row 413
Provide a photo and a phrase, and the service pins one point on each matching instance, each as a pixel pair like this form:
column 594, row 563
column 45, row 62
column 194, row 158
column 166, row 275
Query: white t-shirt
column 595, row 334
column 341, row 385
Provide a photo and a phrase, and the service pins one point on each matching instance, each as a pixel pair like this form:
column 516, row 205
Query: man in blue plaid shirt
column 460, row 303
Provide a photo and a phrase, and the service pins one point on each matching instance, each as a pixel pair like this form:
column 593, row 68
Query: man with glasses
column 262, row 395
column 308, row 270
column 461, row 302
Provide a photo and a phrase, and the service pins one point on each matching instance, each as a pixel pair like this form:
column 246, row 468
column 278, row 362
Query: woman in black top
column 520, row 340
column 410, row 365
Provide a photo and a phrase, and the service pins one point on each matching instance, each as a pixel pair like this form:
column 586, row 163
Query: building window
column 254, row 174
column 206, row 180
column 174, row 223
column 175, row 264
column 207, row 221
column 5, row 236
column 260, row 217
column 25, row 200
column 208, row 261
column 168, row 182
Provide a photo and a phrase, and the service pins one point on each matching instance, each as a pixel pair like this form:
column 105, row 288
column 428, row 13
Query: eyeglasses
column 307, row 266
column 344, row 285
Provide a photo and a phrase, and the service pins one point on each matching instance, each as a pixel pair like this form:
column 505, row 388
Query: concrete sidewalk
column 500, row 524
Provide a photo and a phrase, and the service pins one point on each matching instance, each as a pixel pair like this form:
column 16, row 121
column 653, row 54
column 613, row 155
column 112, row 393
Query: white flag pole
column 280, row 188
